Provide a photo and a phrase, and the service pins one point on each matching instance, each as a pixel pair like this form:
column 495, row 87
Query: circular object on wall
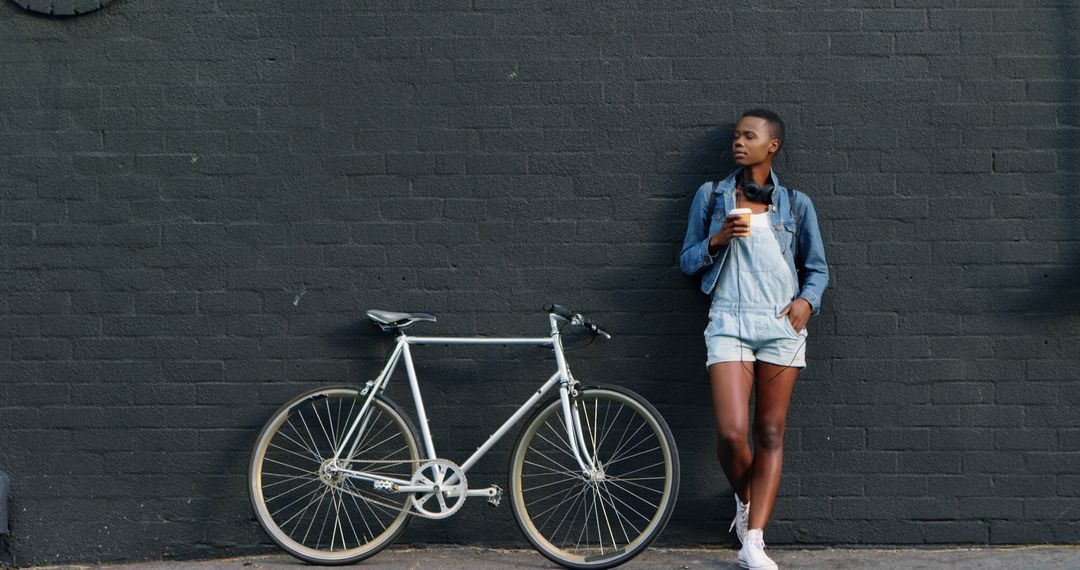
column 63, row 7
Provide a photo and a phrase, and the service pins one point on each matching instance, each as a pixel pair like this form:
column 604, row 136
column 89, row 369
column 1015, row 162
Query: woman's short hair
column 776, row 124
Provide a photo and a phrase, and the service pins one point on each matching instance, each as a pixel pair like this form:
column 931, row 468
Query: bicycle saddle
column 389, row 320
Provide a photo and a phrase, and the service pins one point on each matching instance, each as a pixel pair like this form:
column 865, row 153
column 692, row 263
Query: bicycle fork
column 576, row 435
column 568, row 393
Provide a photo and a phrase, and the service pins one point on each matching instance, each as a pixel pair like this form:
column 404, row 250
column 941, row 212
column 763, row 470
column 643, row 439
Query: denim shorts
column 750, row 333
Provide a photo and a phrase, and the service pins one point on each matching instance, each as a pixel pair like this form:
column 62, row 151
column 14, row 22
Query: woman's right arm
column 695, row 249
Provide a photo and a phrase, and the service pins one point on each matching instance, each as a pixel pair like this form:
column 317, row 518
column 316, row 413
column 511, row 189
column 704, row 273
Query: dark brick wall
column 199, row 199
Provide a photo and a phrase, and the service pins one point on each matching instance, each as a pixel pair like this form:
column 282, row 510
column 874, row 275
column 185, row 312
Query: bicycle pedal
column 385, row 486
column 495, row 499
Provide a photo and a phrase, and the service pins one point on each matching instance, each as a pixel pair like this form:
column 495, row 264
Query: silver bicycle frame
column 562, row 377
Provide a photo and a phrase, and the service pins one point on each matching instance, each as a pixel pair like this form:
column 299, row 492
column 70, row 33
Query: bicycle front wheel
column 314, row 512
column 604, row 518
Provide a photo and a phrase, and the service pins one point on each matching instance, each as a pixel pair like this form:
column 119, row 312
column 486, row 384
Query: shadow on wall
column 1053, row 293
column 1068, row 38
column 5, row 486
column 708, row 160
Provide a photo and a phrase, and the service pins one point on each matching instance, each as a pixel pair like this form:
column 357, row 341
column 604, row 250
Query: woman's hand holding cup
column 736, row 225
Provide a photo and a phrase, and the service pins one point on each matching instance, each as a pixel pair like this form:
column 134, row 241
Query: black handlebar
column 570, row 315
column 559, row 310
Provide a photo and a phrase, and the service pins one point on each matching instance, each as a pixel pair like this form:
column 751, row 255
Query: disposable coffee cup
column 743, row 213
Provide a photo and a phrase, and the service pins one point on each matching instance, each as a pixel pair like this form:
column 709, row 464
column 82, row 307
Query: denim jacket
column 809, row 268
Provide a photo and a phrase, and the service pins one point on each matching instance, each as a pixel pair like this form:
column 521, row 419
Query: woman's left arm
column 810, row 262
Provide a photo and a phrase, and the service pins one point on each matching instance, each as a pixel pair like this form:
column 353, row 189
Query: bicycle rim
column 605, row 520
column 324, row 518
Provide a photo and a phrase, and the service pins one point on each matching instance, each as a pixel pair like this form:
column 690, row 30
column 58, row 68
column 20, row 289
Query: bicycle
column 338, row 472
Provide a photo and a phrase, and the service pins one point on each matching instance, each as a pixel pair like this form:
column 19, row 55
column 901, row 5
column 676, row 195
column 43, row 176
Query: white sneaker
column 752, row 554
column 742, row 518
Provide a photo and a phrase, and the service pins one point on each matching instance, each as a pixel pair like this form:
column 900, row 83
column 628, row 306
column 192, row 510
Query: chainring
column 450, row 481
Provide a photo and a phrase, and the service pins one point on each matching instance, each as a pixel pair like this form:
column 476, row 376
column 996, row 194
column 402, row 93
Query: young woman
column 766, row 279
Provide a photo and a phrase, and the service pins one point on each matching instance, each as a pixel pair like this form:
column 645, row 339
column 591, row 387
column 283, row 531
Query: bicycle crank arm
column 422, row 489
column 489, row 492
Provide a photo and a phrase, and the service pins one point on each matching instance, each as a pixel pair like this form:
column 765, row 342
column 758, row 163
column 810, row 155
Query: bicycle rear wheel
column 317, row 515
column 602, row 519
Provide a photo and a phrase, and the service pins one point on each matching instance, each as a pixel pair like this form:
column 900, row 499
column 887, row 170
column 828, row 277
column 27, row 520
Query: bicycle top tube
column 528, row 341
column 539, row 341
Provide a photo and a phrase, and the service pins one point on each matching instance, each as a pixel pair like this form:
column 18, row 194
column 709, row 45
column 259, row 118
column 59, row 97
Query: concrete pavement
column 474, row 558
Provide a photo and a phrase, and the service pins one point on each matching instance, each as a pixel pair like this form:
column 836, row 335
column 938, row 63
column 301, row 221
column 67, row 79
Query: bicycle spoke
column 621, row 459
column 314, row 515
column 313, row 453
column 314, row 444
column 562, row 480
column 352, row 526
column 607, row 521
column 560, row 472
column 606, row 515
column 364, row 437
column 300, row 455
column 627, row 448
column 622, row 440
column 618, row 412
column 325, row 518
column 372, row 446
column 630, row 507
column 555, row 463
column 271, row 499
column 631, row 482
column 337, row 522
column 546, row 497
column 638, row 497
column 580, row 497
column 312, row 492
column 565, row 448
column 661, row 462
column 623, row 521
column 306, row 509
column 566, row 497
column 286, row 479
column 585, row 527
column 313, row 448
column 330, row 420
column 360, row 513
column 560, row 434
column 307, row 471
column 322, row 427
column 373, row 503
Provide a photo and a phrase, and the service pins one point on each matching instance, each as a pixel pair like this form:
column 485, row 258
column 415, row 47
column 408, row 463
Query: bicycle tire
column 383, row 520
column 534, row 459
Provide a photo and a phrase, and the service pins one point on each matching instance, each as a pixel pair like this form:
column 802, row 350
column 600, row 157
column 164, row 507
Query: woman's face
column 753, row 144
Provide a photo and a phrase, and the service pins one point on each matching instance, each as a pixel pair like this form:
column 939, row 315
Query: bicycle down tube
column 562, row 377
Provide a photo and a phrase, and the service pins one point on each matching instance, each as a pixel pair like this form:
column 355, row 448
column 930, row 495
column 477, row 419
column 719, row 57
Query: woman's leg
column 731, row 383
column 774, row 387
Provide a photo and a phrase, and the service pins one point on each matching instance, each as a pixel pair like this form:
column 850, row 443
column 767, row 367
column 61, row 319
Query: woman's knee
column 732, row 435
column 769, row 435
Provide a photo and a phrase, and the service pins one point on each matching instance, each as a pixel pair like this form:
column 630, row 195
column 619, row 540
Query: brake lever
column 595, row 328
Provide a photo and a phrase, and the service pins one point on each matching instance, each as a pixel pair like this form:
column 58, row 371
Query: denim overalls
column 754, row 285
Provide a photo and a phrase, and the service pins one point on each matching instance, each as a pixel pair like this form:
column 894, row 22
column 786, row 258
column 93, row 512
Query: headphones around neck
column 752, row 191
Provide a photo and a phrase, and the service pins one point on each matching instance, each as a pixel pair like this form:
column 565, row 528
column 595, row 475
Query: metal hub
column 330, row 472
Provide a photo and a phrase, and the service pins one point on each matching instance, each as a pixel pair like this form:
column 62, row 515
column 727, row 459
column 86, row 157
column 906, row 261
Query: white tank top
column 760, row 220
